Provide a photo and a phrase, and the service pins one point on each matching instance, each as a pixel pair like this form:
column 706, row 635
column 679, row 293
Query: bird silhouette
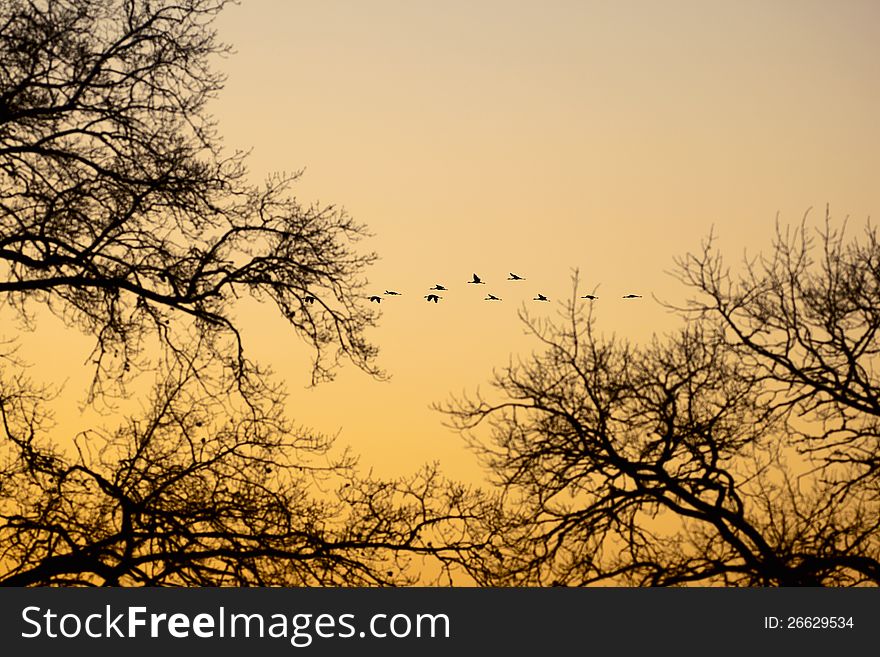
column 439, row 287
column 514, row 277
column 376, row 298
column 589, row 296
column 392, row 293
column 491, row 297
column 540, row 297
column 632, row 296
column 477, row 280
column 309, row 299
column 433, row 297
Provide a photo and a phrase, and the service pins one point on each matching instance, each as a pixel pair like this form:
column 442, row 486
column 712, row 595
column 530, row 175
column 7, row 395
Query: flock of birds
column 433, row 297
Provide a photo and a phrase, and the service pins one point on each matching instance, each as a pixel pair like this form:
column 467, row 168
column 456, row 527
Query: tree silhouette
column 741, row 450
column 204, row 490
column 806, row 316
column 122, row 215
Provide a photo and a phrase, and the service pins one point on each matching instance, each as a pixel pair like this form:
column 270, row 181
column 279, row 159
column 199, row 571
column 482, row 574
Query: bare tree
column 121, row 213
column 205, row 490
column 119, row 210
column 807, row 317
column 680, row 461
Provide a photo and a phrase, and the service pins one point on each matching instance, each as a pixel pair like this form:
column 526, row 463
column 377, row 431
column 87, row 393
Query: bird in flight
column 589, row 296
column 433, row 297
column 540, row 297
column 392, row 293
column 309, row 299
column 492, row 297
column 376, row 298
column 632, row 296
column 514, row 277
column 439, row 287
column 477, row 280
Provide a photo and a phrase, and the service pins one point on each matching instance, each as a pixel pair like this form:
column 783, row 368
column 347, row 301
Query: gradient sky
column 536, row 137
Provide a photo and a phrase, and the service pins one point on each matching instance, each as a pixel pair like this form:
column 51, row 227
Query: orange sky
column 535, row 137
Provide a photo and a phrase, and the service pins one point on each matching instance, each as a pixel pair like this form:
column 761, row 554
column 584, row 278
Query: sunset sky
column 535, row 137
